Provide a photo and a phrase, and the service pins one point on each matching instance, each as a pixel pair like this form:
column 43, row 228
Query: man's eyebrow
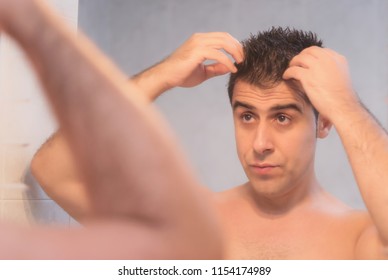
column 292, row 106
column 243, row 105
column 280, row 107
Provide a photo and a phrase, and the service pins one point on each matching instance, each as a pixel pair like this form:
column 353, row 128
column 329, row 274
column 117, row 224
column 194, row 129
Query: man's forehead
column 282, row 92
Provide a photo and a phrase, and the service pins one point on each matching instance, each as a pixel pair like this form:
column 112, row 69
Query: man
column 145, row 202
column 284, row 79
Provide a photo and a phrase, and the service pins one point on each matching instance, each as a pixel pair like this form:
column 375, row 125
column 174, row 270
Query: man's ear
column 323, row 126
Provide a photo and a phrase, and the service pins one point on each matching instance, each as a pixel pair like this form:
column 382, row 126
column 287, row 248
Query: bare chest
column 288, row 239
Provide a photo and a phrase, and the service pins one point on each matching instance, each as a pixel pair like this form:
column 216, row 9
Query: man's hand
column 187, row 63
column 202, row 56
column 324, row 76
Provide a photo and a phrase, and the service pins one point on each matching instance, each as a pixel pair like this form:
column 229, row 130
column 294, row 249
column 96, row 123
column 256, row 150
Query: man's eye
column 247, row 117
column 283, row 120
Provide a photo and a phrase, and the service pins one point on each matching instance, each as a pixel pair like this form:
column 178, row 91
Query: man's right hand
column 202, row 56
column 187, row 63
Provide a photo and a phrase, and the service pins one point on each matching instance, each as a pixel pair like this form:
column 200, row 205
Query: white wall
column 25, row 123
column 138, row 33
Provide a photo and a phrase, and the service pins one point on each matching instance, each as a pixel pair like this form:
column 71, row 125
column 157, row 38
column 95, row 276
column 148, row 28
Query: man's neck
column 273, row 205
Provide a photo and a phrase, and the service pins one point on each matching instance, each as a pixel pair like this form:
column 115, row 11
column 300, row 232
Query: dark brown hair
column 268, row 54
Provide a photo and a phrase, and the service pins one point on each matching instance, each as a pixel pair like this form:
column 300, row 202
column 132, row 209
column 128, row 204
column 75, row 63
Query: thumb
column 216, row 69
column 294, row 72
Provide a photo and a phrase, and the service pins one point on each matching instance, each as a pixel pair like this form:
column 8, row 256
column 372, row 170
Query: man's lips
column 263, row 168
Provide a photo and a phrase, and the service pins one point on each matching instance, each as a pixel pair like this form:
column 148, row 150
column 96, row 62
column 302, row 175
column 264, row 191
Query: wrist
column 349, row 114
column 153, row 81
column 337, row 107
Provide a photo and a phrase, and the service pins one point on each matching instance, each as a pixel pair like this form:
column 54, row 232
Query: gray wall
column 136, row 34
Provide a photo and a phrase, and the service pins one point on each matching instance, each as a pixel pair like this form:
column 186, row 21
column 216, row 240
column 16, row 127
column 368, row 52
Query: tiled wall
column 25, row 123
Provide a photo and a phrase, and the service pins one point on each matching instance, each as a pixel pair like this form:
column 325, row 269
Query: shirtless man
column 144, row 201
column 284, row 78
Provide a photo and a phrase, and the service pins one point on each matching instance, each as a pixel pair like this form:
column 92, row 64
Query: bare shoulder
column 353, row 228
column 345, row 232
column 351, row 221
column 235, row 206
column 225, row 195
column 369, row 244
column 229, row 197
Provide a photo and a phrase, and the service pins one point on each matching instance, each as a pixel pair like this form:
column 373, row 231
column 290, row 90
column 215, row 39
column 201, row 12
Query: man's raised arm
column 134, row 175
column 324, row 76
column 53, row 165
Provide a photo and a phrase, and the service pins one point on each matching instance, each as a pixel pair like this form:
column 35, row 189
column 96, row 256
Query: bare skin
column 281, row 212
column 319, row 228
column 54, row 166
column 132, row 216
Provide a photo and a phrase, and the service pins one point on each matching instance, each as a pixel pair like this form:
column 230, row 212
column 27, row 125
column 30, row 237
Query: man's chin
column 268, row 188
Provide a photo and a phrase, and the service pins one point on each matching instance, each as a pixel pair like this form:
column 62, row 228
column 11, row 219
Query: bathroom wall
column 25, row 123
column 137, row 34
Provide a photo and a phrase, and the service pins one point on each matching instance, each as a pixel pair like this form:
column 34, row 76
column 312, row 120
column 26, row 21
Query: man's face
column 276, row 137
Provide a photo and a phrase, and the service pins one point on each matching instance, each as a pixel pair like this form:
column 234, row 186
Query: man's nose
column 263, row 142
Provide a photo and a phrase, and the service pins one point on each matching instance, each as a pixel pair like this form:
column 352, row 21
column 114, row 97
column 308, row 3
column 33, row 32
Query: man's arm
column 54, row 168
column 185, row 66
column 143, row 194
column 53, row 165
column 324, row 76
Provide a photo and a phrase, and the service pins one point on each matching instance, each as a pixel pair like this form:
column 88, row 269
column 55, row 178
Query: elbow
column 37, row 167
column 42, row 173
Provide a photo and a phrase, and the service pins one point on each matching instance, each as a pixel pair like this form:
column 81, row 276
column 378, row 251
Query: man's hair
column 267, row 56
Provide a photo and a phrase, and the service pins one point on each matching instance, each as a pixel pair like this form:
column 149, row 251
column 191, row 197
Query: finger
column 314, row 51
column 304, row 60
column 222, row 58
column 330, row 51
column 238, row 53
column 337, row 56
column 223, row 40
column 215, row 69
column 223, row 35
column 235, row 50
column 295, row 72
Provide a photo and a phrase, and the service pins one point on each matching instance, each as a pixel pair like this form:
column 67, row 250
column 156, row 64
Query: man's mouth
column 263, row 168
